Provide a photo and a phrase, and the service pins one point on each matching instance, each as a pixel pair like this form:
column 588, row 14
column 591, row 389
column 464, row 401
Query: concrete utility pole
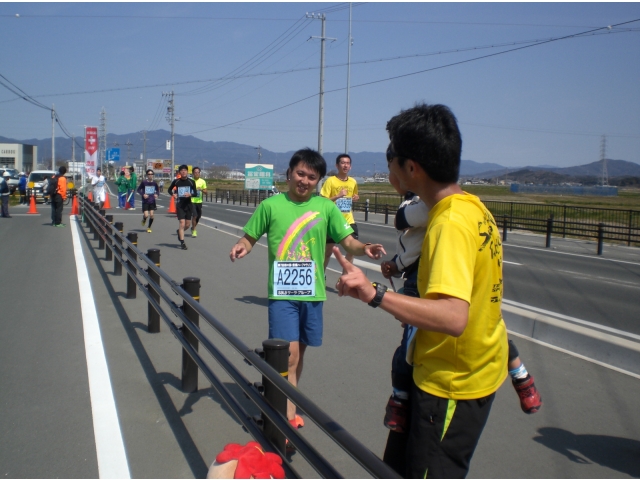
column 259, row 153
column 73, row 149
column 128, row 144
column 144, row 148
column 171, row 119
column 322, row 38
column 53, row 137
column 346, row 128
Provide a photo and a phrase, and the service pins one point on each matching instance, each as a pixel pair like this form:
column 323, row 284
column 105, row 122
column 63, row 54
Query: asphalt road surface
column 587, row 428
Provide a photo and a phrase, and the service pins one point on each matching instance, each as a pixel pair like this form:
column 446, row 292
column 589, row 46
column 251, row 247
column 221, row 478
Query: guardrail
column 271, row 429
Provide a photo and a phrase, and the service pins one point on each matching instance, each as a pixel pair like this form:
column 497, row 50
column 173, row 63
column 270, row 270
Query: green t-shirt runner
column 296, row 233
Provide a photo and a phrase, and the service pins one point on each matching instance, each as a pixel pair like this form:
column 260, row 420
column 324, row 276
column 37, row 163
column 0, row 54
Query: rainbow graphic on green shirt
column 293, row 238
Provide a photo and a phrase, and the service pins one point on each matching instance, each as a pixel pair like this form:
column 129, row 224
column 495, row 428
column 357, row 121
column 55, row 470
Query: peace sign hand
column 354, row 282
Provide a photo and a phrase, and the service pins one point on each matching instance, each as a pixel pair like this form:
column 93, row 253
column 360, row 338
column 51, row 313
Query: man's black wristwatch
column 380, row 291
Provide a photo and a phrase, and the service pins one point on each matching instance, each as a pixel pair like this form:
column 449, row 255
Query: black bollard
column 600, row 237
column 549, row 229
column 153, row 320
column 276, row 354
column 131, row 284
column 386, row 214
column 504, row 229
column 101, row 226
column 366, row 210
column 191, row 285
column 117, row 266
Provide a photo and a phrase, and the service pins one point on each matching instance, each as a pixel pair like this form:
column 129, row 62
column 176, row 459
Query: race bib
column 344, row 204
column 184, row 191
column 149, row 190
column 294, row 279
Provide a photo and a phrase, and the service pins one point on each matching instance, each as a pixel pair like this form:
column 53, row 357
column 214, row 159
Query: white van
column 34, row 184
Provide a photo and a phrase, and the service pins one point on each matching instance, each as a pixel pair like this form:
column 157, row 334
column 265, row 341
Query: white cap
column 6, row 174
column 22, row 173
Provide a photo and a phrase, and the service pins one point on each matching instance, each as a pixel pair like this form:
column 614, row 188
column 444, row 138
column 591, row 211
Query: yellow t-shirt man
column 462, row 257
column 333, row 186
column 200, row 185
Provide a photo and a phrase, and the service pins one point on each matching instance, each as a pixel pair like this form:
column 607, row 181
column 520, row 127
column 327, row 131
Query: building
column 20, row 156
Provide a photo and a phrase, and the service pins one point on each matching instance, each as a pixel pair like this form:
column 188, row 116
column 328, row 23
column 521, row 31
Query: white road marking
column 239, row 211
column 570, row 254
column 511, row 263
column 112, row 458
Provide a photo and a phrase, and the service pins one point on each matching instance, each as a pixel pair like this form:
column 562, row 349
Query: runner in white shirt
column 98, row 183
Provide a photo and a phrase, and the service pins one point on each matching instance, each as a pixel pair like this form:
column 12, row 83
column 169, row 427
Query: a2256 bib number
column 294, row 279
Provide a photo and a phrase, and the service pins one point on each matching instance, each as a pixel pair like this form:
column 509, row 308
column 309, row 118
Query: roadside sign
column 113, row 154
column 258, row 176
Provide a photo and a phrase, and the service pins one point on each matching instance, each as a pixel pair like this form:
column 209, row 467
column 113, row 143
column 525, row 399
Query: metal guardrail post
column 101, row 225
column 276, row 354
column 386, row 214
column 131, row 283
column 227, row 197
column 191, row 285
column 366, row 210
column 549, row 229
column 255, row 201
column 153, row 317
column 117, row 266
column 504, row 229
column 600, row 237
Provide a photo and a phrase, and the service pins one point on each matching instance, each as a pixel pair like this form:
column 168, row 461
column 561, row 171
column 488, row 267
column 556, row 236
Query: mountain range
column 194, row 151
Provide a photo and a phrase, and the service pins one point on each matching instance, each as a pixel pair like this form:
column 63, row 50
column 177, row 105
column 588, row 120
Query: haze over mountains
column 193, row 151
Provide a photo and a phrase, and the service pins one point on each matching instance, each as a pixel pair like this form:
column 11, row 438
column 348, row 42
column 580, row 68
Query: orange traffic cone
column 107, row 203
column 90, row 197
column 32, row 205
column 74, row 206
column 172, row 206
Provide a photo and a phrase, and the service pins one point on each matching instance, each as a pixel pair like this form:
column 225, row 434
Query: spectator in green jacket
column 123, row 185
column 131, row 191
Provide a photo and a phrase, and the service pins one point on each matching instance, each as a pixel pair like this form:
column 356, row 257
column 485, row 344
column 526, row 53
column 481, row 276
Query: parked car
column 13, row 180
column 34, row 184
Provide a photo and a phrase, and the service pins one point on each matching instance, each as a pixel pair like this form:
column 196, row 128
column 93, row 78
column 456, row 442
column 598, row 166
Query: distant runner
column 343, row 190
column 201, row 187
column 183, row 189
column 296, row 224
column 99, row 192
column 149, row 192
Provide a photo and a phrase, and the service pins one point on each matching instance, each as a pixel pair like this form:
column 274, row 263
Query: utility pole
column 603, row 159
column 346, row 128
column 53, row 137
column 102, row 137
column 171, row 119
column 128, row 144
column 144, row 148
column 322, row 38
column 259, row 153
column 73, row 149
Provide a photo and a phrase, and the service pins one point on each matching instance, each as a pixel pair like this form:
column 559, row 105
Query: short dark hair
column 62, row 170
column 131, row 169
column 149, row 171
column 183, row 167
column 313, row 159
column 121, row 172
column 194, row 169
column 428, row 135
column 342, row 155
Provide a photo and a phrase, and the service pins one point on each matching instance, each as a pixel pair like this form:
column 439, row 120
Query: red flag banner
column 90, row 149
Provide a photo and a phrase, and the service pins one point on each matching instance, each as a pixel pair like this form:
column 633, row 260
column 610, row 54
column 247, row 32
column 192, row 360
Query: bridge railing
column 271, row 429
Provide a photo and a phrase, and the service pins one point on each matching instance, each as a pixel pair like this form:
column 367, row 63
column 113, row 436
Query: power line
column 337, row 65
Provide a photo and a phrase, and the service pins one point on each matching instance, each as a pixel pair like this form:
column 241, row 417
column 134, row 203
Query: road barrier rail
column 271, row 429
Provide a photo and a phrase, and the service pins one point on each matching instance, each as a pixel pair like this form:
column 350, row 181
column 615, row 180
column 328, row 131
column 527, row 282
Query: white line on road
column 112, row 458
column 570, row 254
column 239, row 211
column 511, row 263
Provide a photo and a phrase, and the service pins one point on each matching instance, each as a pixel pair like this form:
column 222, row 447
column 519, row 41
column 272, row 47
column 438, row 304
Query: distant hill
column 193, row 151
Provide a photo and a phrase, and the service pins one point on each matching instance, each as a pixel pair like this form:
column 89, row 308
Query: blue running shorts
column 296, row 321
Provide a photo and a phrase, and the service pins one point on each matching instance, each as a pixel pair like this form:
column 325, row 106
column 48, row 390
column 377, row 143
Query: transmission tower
column 603, row 159
column 259, row 148
column 102, row 137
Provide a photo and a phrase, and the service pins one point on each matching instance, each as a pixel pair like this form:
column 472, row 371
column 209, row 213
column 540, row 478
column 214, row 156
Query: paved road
column 588, row 426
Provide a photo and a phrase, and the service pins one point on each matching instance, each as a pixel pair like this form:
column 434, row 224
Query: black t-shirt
column 181, row 187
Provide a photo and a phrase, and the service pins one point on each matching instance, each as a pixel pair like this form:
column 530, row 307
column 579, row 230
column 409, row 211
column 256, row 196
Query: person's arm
column 356, row 197
column 242, row 248
column 444, row 314
column 414, row 214
column 358, row 249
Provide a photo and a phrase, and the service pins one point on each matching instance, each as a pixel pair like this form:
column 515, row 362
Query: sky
column 530, row 83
